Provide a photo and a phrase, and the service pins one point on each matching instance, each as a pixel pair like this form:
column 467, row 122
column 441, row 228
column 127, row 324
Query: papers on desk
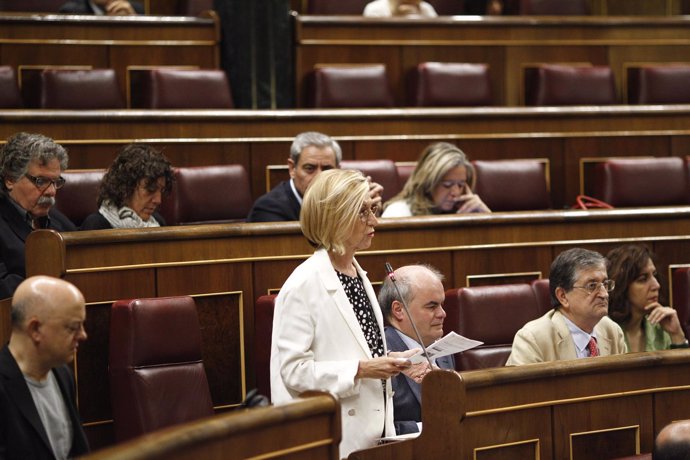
column 399, row 437
column 448, row 345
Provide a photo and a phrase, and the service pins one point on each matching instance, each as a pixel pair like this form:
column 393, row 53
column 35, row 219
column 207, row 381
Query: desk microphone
column 391, row 275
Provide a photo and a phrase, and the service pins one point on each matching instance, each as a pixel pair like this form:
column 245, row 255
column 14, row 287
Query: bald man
column 421, row 286
column 38, row 414
column 673, row 442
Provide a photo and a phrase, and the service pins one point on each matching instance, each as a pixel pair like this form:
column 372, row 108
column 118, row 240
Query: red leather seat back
column 208, row 194
column 554, row 7
column 552, row 84
column 79, row 196
column 664, row 84
column 80, row 89
column 404, row 172
column 9, row 91
column 349, row 86
column 31, row 6
column 632, row 182
column 263, row 330
column 180, row 89
column 194, row 7
column 512, row 185
column 681, row 296
column 382, row 171
column 439, row 84
column 336, row 7
column 157, row 375
column 542, row 295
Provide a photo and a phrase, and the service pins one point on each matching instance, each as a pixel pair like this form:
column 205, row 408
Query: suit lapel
column 398, row 344
column 603, row 341
column 565, row 347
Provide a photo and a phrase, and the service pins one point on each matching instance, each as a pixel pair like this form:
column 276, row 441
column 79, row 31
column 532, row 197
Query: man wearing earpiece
column 31, row 167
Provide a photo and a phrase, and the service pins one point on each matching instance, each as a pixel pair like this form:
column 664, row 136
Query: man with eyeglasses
column 578, row 325
column 30, row 166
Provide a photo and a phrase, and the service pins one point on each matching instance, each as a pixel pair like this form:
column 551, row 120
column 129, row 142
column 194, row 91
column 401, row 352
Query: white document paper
column 450, row 344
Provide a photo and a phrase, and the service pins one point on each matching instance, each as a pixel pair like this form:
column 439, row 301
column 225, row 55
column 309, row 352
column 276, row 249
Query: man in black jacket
column 30, row 167
column 38, row 414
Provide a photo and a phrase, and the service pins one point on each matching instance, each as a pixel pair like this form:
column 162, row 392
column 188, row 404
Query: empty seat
column 80, row 89
column 349, row 86
column 474, row 312
column 336, row 7
column 438, row 84
column 383, row 172
column 180, row 89
column 554, row 7
column 659, row 84
column 208, row 194
column 157, row 375
column 9, row 91
column 79, row 196
column 263, row 330
column 623, row 182
column 513, row 185
column 681, row 297
column 555, row 84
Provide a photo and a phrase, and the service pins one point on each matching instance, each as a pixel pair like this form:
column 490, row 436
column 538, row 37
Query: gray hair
column 23, row 148
column 389, row 293
column 319, row 140
column 565, row 269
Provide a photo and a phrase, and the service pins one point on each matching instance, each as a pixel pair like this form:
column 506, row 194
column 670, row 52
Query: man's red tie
column 592, row 346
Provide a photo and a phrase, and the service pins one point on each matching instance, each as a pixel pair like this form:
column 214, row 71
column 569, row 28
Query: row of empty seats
column 83, row 88
column 466, row 84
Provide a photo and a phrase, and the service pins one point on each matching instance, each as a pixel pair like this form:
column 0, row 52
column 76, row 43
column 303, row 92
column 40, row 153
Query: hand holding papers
column 450, row 344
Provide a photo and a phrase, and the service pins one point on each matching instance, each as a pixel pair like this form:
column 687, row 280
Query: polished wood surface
column 226, row 267
column 257, row 139
column 507, row 44
column 307, row 428
column 582, row 409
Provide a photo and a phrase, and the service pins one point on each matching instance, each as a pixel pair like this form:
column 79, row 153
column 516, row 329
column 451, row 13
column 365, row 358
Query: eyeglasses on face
column 594, row 286
column 43, row 183
column 364, row 213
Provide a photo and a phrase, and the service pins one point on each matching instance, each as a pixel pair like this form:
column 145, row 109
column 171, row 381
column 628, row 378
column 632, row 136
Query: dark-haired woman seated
column 132, row 190
column 634, row 303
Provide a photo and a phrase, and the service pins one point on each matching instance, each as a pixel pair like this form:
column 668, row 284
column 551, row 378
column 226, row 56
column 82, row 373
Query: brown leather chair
column 662, row 84
column 336, row 7
column 208, row 194
column 9, row 91
column 80, row 89
column 157, row 376
column 554, row 7
column 79, row 196
column 447, row 84
column 180, row 89
column 681, row 296
column 512, row 185
column 474, row 312
column 263, row 330
column 383, row 172
column 631, row 182
column 555, row 84
column 349, row 86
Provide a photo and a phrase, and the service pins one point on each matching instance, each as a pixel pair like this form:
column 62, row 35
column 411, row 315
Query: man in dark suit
column 30, row 166
column 310, row 153
column 102, row 7
column 38, row 414
column 421, row 287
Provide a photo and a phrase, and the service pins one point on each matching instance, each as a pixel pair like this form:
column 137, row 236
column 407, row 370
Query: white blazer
column 317, row 344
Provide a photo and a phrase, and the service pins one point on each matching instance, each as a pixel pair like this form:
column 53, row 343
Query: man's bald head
column 41, row 297
column 673, row 442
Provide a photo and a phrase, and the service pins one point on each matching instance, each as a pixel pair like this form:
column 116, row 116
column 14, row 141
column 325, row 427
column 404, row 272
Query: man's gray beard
column 46, row 201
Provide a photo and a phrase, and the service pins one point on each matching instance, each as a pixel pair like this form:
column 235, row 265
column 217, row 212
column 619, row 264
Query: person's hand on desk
column 385, row 366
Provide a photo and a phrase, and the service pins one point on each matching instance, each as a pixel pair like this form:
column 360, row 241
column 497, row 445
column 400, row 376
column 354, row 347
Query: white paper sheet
column 450, row 344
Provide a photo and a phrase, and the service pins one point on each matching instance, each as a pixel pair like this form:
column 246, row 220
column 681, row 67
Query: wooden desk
column 226, row 267
column 260, row 138
column 308, row 428
column 505, row 43
column 582, row 409
column 109, row 42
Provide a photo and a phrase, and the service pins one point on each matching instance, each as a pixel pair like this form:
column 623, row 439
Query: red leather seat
column 405, row 170
column 349, row 86
column 79, row 196
column 474, row 312
column 446, row 84
column 157, row 375
column 512, row 185
column 336, row 7
column 263, row 330
column 194, row 7
column 554, row 84
column 663, row 84
column 681, row 296
column 80, row 89
column 632, row 182
column 554, row 7
column 9, row 91
column 31, row 6
column 180, row 89
column 383, row 172
column 208, row 194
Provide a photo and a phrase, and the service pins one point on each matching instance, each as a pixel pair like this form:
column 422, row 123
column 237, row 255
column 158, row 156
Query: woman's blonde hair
column 434, row 163
column 331, row 208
